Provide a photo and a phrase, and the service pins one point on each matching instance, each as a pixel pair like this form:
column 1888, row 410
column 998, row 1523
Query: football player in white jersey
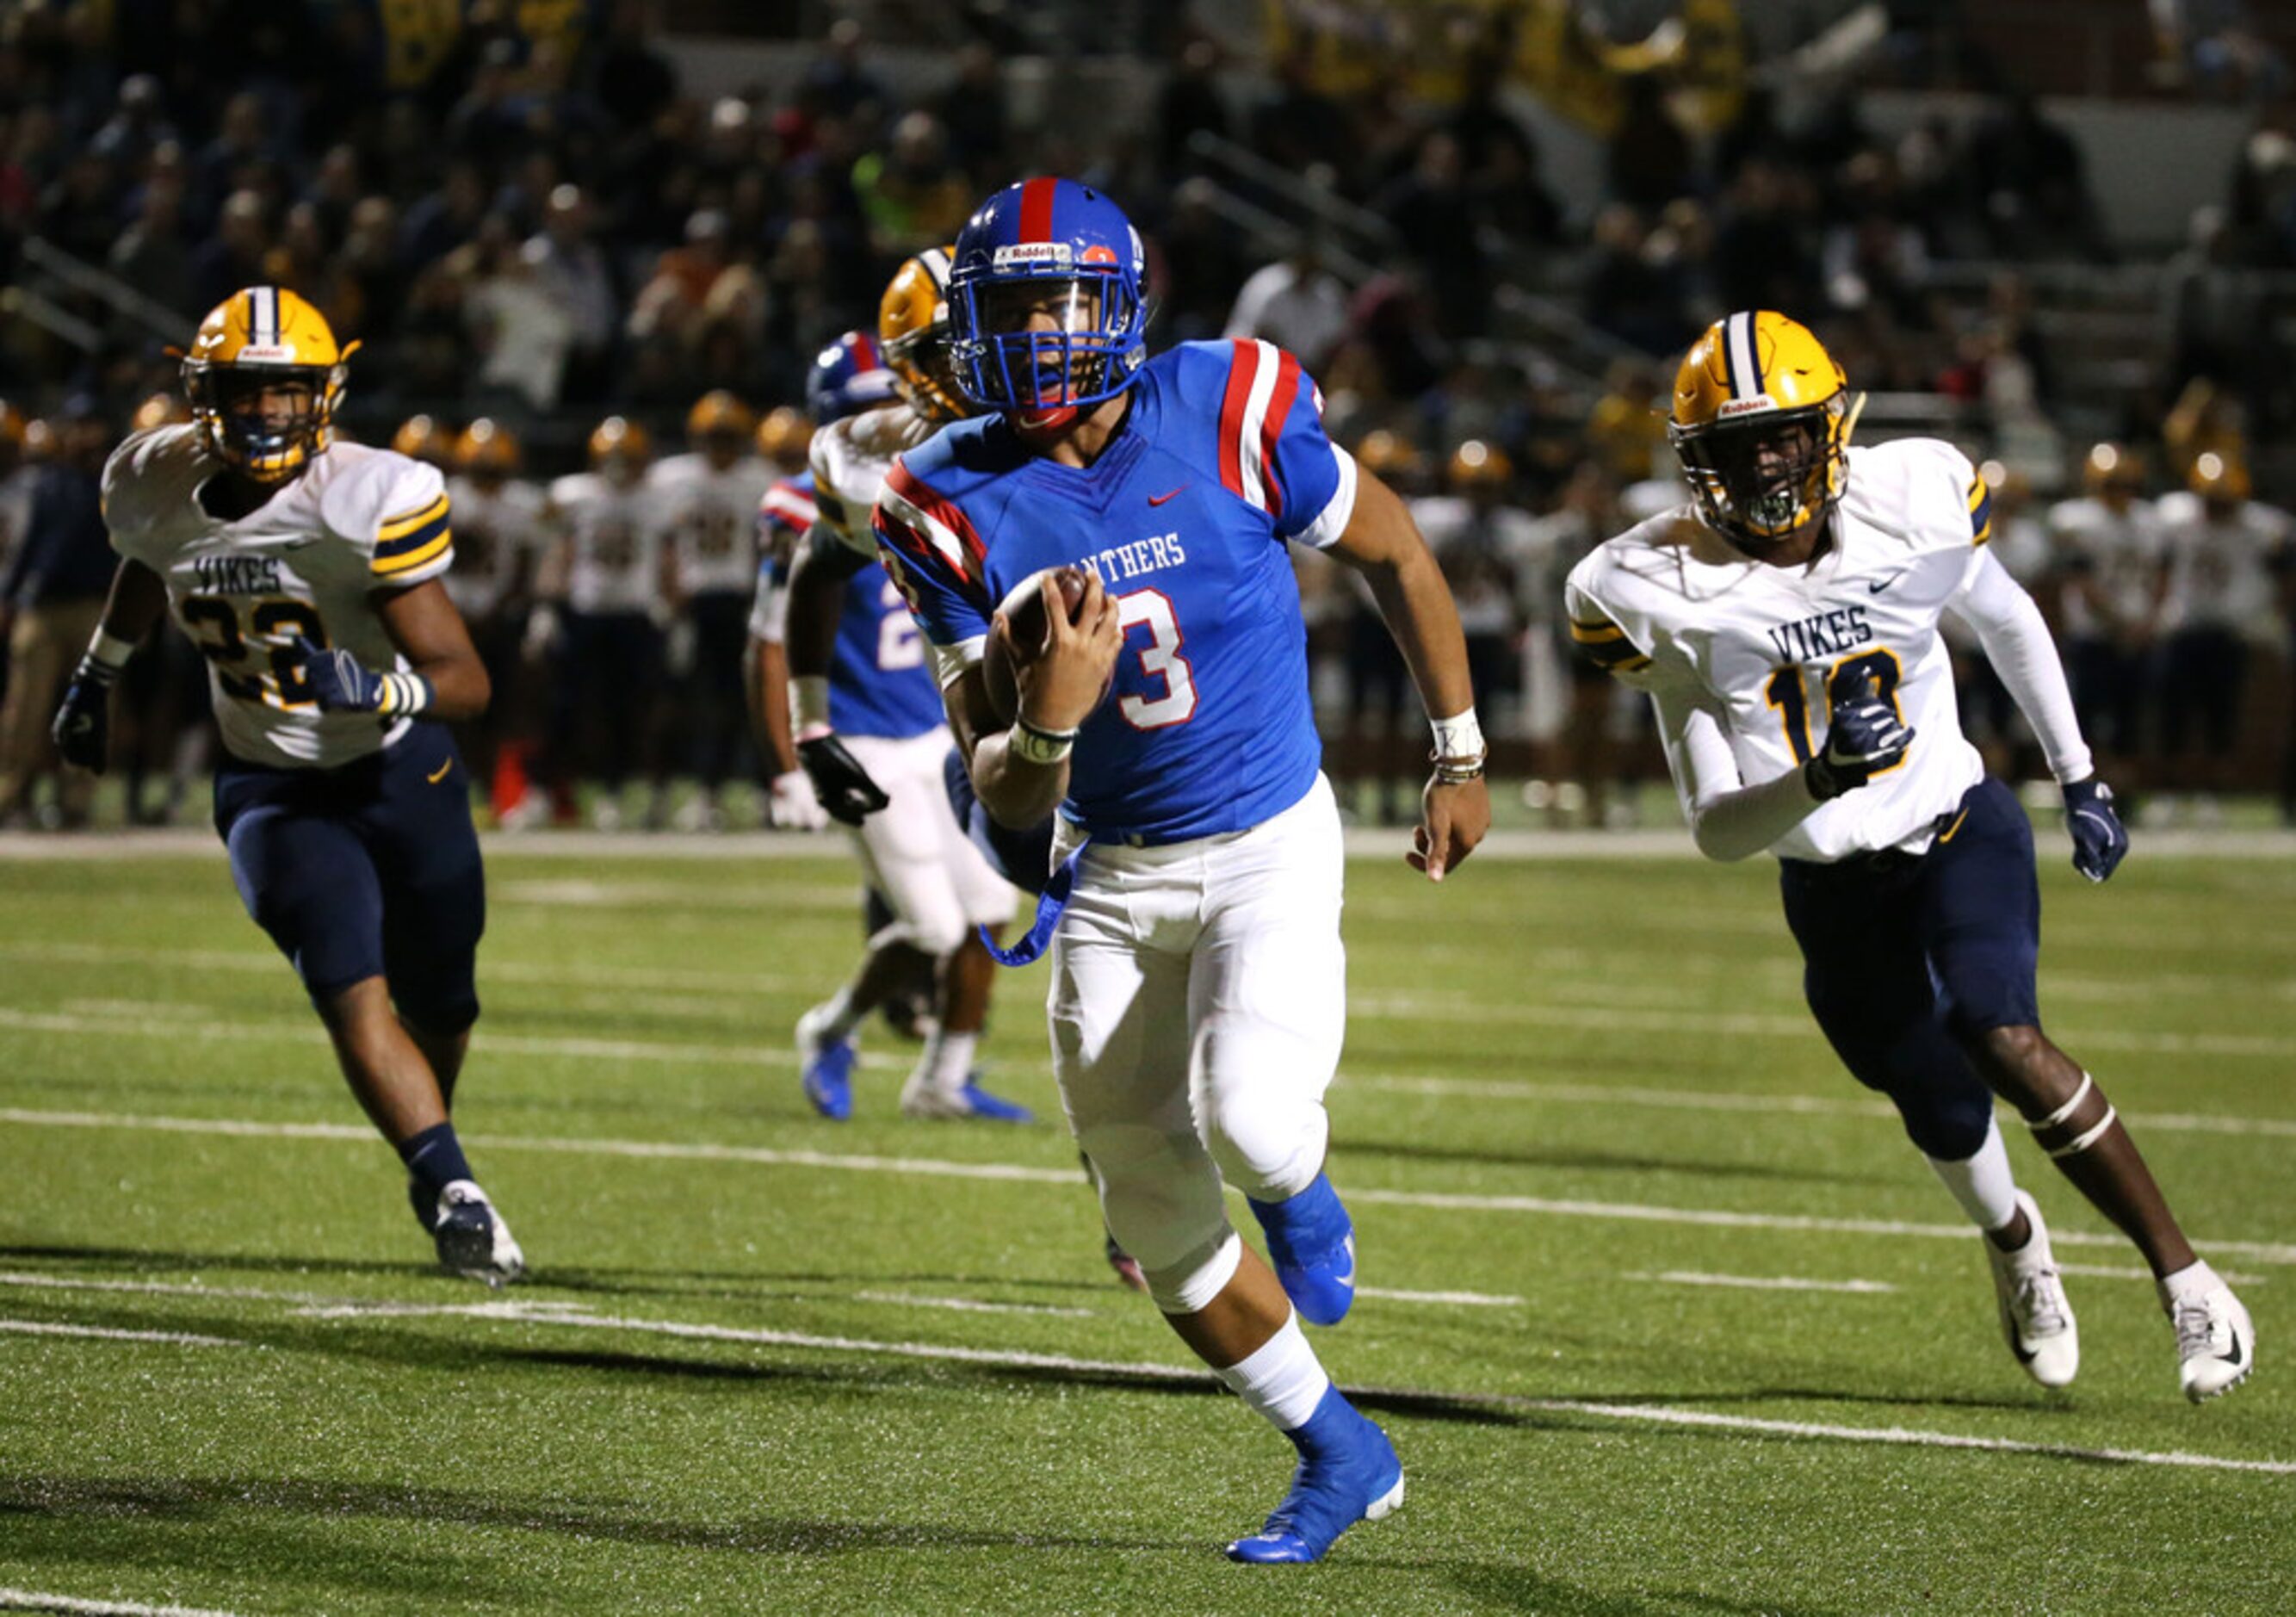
column 888, row 785
column 2217, row 595
column 307, row 573
column 710, row 496
column 2109, row 552
column 609, row 575
column 497, row 548
column 1785, row 626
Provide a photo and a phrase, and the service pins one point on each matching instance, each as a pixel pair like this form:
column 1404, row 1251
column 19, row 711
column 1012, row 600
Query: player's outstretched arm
column 82, row 727
column 1384, row 544
column 1020, row 772
column 2017, row 642
column 816, row 586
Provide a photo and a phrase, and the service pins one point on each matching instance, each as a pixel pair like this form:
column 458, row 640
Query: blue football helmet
column 1046, row 311
column 847, row 377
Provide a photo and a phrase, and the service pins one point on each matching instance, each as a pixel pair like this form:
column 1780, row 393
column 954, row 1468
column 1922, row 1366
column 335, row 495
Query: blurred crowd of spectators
column 545, row 227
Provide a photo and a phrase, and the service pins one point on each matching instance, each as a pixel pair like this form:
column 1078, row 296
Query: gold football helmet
column 913, row 330
column 421, row 437
column 782, row 437
column 1389, row 456
column 2113, row 468
column 2220, row 480
column 619, row 450
column 163, row 410
column 1761, row 423
column 488, row 449
column 717, row 414
column 264, row 376
column 1477, row 464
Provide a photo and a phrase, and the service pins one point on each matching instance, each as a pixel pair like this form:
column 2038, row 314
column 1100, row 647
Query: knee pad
column 1189, row 1285
column 1160, row 1198
column 1267, row 1143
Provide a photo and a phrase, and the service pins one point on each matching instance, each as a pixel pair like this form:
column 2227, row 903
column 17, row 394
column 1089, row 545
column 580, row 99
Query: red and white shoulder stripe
column 789, row 504
column 916, row 516
column 1263, row 383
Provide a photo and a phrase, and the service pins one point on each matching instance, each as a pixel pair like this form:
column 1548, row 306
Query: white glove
column 793, row 805
column 542, row 632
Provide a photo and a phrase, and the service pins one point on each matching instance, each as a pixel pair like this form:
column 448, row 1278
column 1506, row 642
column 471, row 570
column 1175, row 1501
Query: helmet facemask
column 925, row 372
column 1760, row 478
column 267, row 422
column 1047, row 343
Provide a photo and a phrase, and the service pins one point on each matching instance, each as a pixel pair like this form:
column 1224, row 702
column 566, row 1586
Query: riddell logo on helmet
column 1747, row 406
column 1032, row 252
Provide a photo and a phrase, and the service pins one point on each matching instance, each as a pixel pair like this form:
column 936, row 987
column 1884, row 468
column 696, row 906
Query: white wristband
column 1460, row 737
column 809, row 698
column 109, row 649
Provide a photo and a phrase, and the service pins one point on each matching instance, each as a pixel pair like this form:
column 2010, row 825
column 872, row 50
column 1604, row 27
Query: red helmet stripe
column 865, row 352
column 1036, row 209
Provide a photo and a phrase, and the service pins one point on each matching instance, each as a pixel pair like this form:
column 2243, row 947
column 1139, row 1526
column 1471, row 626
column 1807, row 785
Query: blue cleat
column 1347, row 1474
column 972, row 1101
column 826, row 1068
column 1311, row 1243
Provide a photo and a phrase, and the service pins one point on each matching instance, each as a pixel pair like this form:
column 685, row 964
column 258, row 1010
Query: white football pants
column 1198, row 1004
column 916, row 854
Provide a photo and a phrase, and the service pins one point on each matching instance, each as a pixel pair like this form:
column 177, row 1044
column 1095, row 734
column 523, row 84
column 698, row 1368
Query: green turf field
column 771, row 1363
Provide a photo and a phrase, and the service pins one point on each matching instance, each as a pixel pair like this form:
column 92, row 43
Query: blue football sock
column 435, row 1158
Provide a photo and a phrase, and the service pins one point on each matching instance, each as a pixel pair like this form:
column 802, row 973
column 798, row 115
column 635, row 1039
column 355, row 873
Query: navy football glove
column 83, row 725
column 847, row 793
column 2100, row 841
column 1863, row 737
column 340, row 683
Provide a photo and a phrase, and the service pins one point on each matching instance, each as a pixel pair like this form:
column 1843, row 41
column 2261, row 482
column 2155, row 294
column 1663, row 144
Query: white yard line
column 154, row 1288
column 1734, row 1100
column 969, row 1305
column 34, row 1600
column 1762, row 1283
column 2265, row 1251
column 178, row 1339
column 575, row 1316
column 1464, row 1300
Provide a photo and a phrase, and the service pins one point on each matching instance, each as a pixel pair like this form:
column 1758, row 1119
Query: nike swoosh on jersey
column 435, row 779
column 1157, row 499
column 1876, row 589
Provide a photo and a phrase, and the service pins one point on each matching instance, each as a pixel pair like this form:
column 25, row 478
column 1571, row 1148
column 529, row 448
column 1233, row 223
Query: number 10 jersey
column 1670, row 608
column 304, row 564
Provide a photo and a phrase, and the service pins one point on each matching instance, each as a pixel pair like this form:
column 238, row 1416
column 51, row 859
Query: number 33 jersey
column 1221, row 458
column 1668, row 607
column 304, row 564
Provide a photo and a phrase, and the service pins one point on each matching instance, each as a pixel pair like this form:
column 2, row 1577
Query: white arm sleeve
column 1728, row 821
column 2018, row 645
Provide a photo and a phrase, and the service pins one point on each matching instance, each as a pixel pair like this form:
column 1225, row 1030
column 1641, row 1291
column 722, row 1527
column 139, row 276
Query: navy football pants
column 1908, row 959
column 371, row 870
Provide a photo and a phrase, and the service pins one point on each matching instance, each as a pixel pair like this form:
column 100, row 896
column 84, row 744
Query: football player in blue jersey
column 1197, row 1002
column 860, row 693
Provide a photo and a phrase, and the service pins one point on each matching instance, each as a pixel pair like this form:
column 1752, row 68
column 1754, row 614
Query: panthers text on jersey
column 1669, row 606
column 305, row 562
column 616, row 535
column 711, row 514
column 879, row 681
column 497, row 537
column 1221, row 458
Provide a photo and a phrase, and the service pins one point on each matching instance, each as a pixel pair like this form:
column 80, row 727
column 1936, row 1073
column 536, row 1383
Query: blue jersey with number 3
column 1184, row 516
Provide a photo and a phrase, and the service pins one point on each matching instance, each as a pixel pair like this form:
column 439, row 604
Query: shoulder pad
column 393, row 508
column 147, row 473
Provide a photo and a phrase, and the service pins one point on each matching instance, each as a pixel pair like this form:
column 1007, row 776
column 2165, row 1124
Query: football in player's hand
column 1026, row 630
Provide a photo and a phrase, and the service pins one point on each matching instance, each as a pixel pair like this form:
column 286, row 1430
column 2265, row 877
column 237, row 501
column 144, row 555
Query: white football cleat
column 2036, row 1318
column 2216, row 1342
column 471, row 1237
